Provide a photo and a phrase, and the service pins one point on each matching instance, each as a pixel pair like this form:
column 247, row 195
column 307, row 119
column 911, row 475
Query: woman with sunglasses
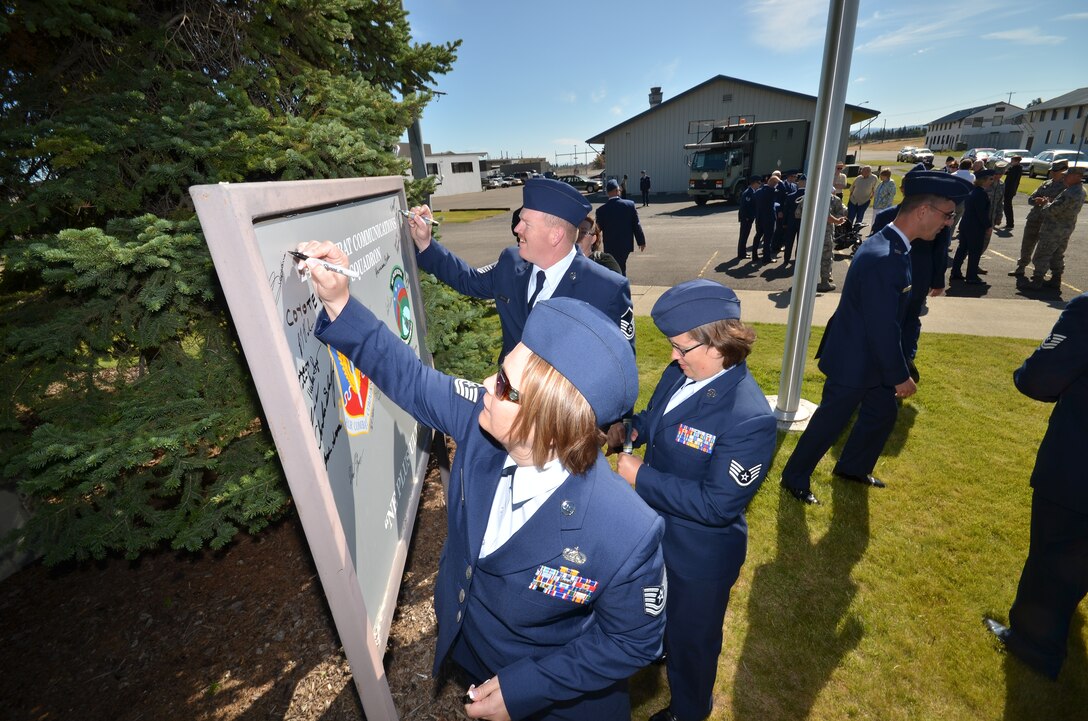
column 589, row 242
column 709, row 435
column 550, row 589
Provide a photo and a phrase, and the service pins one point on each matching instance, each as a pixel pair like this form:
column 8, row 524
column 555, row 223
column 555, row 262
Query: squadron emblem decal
column 356, row 395
column 399, row 289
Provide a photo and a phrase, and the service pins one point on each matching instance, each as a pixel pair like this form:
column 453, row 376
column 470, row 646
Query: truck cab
column 727, row 155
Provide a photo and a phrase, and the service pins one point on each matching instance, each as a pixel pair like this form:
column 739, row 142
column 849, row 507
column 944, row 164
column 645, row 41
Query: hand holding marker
column 307, row 261
column 426, row 219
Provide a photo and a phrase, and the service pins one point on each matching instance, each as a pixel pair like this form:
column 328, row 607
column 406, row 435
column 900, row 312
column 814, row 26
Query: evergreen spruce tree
column 127, row 413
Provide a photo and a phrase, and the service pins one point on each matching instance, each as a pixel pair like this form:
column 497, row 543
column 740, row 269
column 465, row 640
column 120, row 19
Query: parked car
column 922, row 155
column 582, row 183
column 905, row 154
column 512, row 180
column 1005, row 156
column 979, row 153
column 1040, row 165
column 523, row 175
column 496, row 181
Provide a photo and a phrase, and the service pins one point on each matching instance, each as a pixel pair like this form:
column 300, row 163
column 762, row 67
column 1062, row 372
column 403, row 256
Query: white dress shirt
column 517, row 499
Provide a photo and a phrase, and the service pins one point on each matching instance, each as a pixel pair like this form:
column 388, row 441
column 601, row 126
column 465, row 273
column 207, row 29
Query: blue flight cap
column 612, row 184
column 694, row 303
column 936, row 182
column 983, row 174
column 588, row 349
column 556, row 198
column 755, row 179
column 791, row 172
column 916, row 168
column 802, row 176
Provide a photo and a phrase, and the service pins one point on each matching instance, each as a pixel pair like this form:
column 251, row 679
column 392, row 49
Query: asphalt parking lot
column 686, row 241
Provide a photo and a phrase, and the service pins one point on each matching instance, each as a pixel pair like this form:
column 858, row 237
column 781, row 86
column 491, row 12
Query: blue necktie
column 540, row 278
column 509, row 471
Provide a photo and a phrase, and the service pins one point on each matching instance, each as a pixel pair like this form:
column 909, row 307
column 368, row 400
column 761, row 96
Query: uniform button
column 458, row 617
column 461, row 596
column 468, row 571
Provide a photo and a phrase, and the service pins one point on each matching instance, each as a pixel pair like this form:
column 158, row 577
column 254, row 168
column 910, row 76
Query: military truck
column 727, row 155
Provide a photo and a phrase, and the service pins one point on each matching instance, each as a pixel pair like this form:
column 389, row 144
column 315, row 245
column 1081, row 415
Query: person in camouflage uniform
column 1059, row 220
column 1046, row 192
column 836, row 215
column 997, row 198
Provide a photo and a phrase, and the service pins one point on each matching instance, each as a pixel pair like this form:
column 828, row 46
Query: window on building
column 999, row 109
column 1046, row 140
column 1065, row 113
column 432, row 168
column 462, row 167
column 999, row 120
column 727, row 97
column 1080, row 110
column 1054, row 114
column 1061, row 135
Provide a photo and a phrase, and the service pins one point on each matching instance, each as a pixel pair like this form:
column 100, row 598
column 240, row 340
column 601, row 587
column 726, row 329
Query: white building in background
column 456, row 172
column 1057, row 124
column 654, row 139
column 997, row 125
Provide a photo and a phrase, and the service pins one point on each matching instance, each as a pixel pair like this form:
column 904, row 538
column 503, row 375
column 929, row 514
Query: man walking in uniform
column 1013, row 173
column 545, row 264
column 861, row 353
column 618, row 220
column 1055, row 575
column 975, row 229
column 644, row 186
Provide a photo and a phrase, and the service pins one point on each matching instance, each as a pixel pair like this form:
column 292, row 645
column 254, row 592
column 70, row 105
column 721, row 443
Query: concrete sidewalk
column 970, row 316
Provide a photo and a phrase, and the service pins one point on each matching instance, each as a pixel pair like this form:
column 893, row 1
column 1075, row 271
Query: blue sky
column 540, row 77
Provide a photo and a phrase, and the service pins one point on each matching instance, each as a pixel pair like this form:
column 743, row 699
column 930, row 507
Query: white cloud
column 566, row 142
column 616, row 110
column 915, row 25
column 1073, row 16
column 803, row 22
column 598, row 95
column 568, row 98
column 1026, row 36
column 860, row 80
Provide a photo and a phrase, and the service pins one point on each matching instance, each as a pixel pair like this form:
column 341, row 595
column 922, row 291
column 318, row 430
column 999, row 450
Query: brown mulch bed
column 242, row 634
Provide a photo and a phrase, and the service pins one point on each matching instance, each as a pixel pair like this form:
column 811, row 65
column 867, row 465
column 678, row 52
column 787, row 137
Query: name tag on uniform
column 564, row 583
column 694, row 438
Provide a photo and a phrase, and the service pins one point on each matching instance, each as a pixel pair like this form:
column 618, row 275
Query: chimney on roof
column 655, row 96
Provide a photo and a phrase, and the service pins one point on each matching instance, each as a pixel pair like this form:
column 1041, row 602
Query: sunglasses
column 503, row 390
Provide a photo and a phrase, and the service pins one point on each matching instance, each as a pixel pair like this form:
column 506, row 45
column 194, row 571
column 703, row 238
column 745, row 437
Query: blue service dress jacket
column 618, row 219
column 928, row 259
column 1057, row 372
column 862, row 347
column 747, row 210
column 549, row 642
column 704, row 462
column 507, row 282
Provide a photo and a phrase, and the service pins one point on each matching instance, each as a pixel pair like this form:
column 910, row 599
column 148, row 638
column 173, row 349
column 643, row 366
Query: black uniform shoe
column 664, row 714
column 863, row 480
column 1000, row 631
column 802, row 495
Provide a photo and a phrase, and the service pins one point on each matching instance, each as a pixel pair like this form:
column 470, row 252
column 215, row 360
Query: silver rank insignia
column 653, row 597
column 743, row 476
column 574, row 555
column 1052, row 341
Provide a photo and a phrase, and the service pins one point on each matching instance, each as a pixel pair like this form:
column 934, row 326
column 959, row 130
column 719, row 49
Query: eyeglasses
column 947, row 215
column 684, row 351
column 503, row 390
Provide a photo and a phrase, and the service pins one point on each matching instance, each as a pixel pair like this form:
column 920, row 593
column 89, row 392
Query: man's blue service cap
column 556, row 198
column 612, row 184
column 755, row 179
column 694, row 303
column 588, row 349
column 935, row 182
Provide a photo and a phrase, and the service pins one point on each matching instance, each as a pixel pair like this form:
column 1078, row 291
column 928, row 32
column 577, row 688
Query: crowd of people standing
column 561, row 577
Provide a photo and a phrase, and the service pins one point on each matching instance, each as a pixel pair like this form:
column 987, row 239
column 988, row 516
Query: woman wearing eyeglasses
column 709, row 435
column 550, row 589
column 589, row 242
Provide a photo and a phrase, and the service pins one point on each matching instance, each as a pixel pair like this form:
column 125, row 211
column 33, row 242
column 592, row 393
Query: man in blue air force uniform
column 619, row 223
column 550, row 589
column 928, row 265
column 862, row 353
column 709, row 436
column 545, row 264
column 746, row 214
column 1055, row 576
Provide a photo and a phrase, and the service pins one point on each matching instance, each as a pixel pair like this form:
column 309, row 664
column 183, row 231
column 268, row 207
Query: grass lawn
column 870, row 606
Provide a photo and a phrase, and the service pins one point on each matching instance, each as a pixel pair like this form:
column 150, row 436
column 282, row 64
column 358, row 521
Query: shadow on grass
column 800, row 627
column 1029, row 696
